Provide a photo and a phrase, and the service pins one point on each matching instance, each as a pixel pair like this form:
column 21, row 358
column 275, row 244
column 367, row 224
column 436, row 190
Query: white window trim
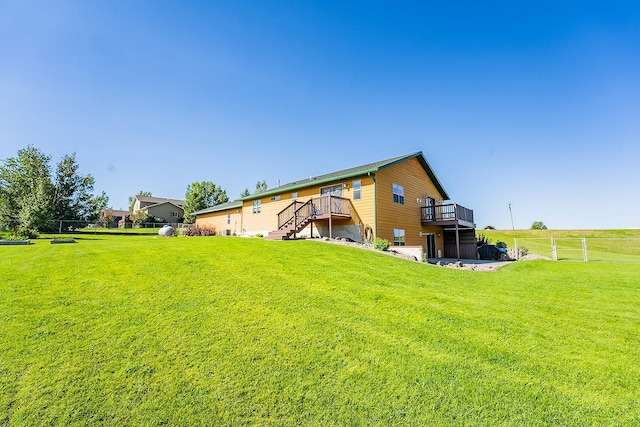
column 398, row 190
column 357, row 190
column 257, row 206
column 399, row 237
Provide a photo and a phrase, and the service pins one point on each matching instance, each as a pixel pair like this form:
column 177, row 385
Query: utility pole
column 513, row 229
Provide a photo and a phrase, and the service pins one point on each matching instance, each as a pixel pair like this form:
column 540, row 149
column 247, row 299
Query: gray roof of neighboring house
column 352, row 172
column 158, row 200
column 117, row 212
column 179, row 206
column 221, row 207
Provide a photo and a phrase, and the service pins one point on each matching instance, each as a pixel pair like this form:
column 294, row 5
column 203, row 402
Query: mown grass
column 610, row 246
column 142, row 330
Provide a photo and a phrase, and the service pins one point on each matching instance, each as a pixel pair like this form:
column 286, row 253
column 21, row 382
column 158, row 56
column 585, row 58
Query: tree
column 202, row 195
column 106, row 218
column 29, row 199
column 97, row 205
column 73, row 193
column 26, row 191
column 261, row 187
column 538, row 225
column 245, row 193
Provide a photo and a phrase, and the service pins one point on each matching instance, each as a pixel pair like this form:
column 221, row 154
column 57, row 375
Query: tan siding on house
column 267, row 219
column 364, row 206
column 218, row 220
column 375, row 208
column 164, row 211
column 410, row 175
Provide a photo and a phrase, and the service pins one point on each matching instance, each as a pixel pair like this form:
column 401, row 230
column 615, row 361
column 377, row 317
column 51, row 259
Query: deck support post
column 457, row 235
column 330, row 228
column 330, row 215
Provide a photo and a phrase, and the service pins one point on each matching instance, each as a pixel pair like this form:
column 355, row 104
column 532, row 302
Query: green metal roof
column 349, row 173
column 220, row 207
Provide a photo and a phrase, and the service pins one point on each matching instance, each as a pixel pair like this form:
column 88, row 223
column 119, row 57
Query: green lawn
column 141, row 330
column 609, row 246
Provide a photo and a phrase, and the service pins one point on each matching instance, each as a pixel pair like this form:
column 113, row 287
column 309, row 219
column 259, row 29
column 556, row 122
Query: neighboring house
column 170, row 210
column 398, row 199
column 119, row 217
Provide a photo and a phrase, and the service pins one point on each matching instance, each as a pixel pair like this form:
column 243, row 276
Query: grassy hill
column 140, row 330
column 610, row 246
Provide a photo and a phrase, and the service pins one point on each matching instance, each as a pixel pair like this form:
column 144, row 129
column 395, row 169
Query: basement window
column 398, row 237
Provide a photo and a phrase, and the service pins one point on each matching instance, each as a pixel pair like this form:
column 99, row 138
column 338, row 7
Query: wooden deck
column 298, row 215
column 449, row 215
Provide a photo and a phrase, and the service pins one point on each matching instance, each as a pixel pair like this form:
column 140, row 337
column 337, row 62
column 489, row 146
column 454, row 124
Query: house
column 398, row 199
column 118, row 217
column 169, row 210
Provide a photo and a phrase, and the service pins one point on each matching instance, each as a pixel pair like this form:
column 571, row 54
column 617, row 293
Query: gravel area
column 465, row 264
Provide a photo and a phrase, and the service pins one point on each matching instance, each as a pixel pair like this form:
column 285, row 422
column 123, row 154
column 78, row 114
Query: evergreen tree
column 73, row 193
column 26, row 191
column 261, row 187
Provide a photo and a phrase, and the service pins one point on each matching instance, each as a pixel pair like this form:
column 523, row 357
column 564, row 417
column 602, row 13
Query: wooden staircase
column 295, row 217
column 285, row 232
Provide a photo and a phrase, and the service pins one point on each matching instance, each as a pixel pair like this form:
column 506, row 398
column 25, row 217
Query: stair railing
column 298, row 213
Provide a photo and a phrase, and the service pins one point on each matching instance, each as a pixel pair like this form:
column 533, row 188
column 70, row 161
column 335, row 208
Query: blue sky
column 534, row 104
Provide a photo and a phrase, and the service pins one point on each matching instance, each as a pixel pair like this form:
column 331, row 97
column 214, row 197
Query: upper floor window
column 275, row 198
column 335, row 190
column 398, row 237
column 257, row 206
column 398, row 194
column 174, row 214
column 357, row 189
column 294, row 195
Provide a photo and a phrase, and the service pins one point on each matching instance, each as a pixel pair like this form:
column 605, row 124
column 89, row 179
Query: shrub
column 489, row 227
column 24, row 233
column 538, row 225
column 481, row 239
column 381, row 244
column 199, row 231
column 500, row 244
column 259, row 235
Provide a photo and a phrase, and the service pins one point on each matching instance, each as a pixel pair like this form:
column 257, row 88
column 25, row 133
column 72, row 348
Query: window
column 174, row 214
column 398, row 194
column 256, row 206
column 398, row 237
column 228, row 219
column 275, row 198
column 357, row 189
column 294, row 195
column 335, row 190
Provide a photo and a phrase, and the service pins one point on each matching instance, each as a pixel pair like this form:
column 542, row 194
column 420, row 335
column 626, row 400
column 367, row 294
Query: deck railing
column 329, row 204
column 285, row 215
column 449, row 212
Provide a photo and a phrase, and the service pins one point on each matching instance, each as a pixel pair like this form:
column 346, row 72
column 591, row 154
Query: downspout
column 375, row 205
